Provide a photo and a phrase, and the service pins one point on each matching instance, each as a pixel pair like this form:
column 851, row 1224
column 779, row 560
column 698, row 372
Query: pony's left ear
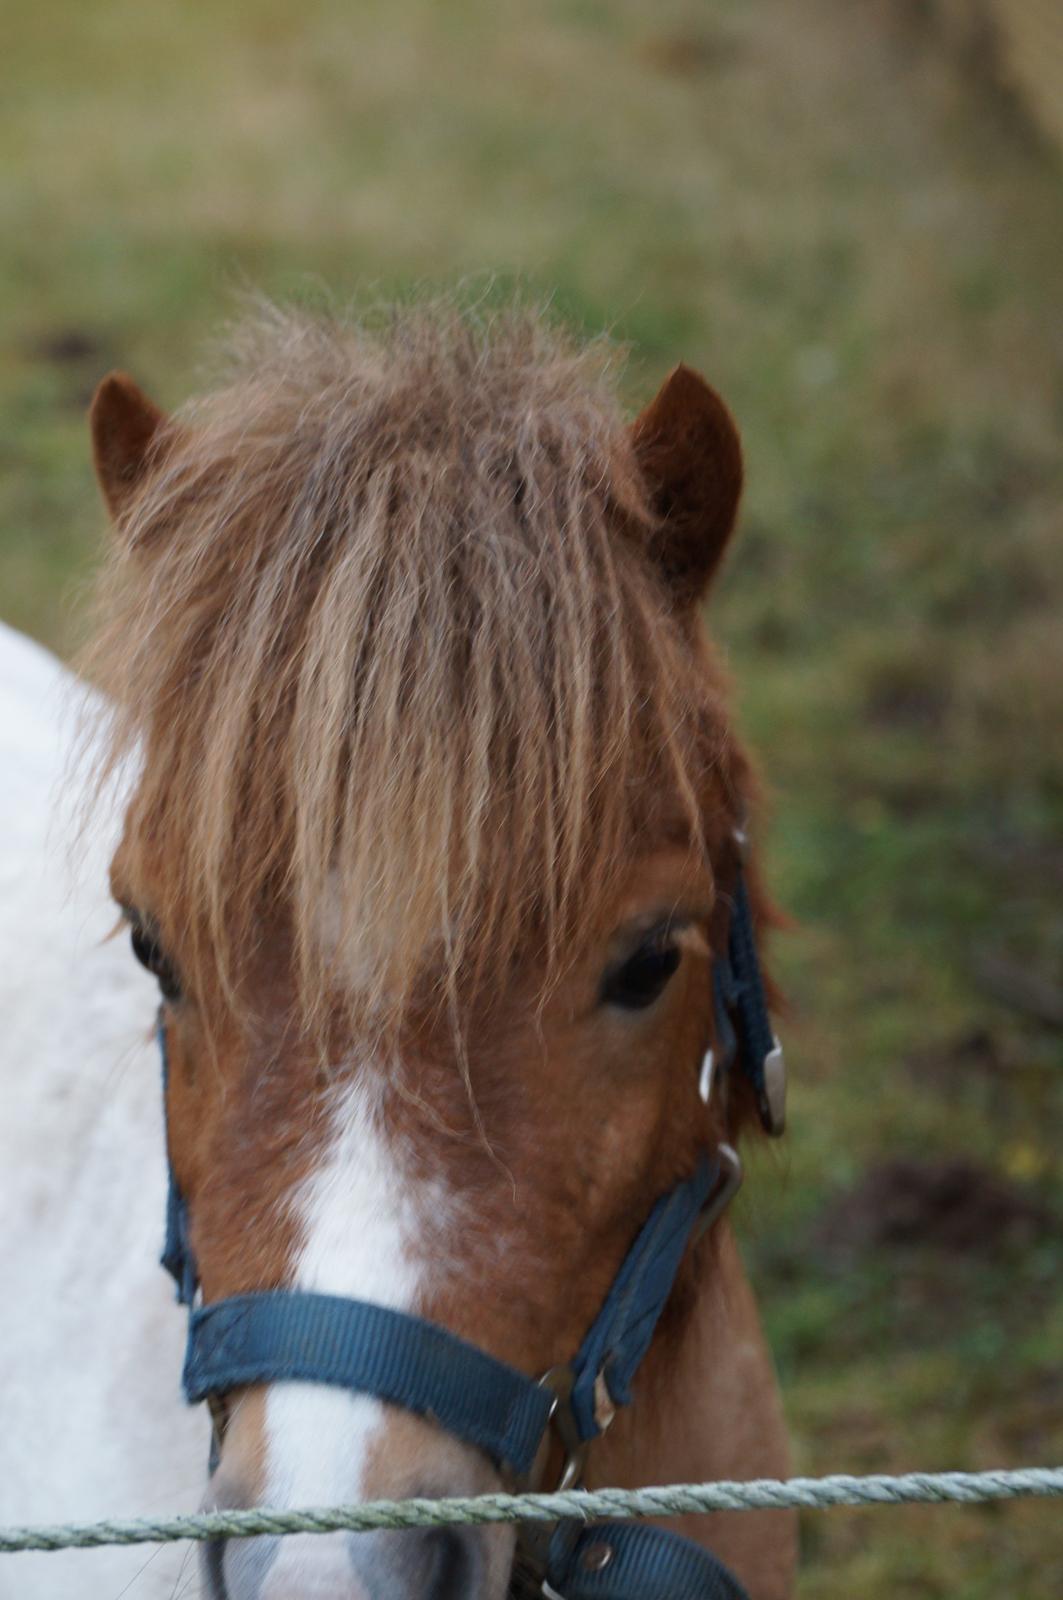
column 125, row 426
column 688, row 450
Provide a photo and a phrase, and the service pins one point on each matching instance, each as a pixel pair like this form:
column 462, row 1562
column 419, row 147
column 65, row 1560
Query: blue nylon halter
column 280, row 1335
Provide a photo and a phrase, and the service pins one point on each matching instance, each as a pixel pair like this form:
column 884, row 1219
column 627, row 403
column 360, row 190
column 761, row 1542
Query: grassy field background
column 864, row 250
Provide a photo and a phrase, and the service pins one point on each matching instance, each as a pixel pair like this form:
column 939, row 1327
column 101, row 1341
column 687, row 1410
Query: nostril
column 433, row 1564
column 437, row 1564
column 246, row 1564
column 451, row 1565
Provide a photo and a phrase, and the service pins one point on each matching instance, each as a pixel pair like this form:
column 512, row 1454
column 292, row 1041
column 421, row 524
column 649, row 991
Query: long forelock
column 382, row 627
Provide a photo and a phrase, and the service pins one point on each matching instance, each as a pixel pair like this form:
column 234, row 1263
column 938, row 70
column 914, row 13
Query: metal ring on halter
column 537, row 1537
column 731, row 1175
column 560, row 1381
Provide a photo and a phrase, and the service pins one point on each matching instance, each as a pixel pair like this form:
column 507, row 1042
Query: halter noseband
column 289, row 1335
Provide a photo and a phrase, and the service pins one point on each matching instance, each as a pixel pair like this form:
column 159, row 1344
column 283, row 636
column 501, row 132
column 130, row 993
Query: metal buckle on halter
column 560, row 1381
column 536, row 1537
column 771, row 1101
column 730, row 1181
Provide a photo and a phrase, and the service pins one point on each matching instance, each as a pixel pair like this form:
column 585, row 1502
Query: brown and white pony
column 428, row 778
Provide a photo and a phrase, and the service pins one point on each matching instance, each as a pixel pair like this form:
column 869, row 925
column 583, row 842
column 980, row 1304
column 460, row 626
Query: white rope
column 911, row 1488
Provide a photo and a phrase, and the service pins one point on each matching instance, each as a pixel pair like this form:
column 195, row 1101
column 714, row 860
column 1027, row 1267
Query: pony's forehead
column 407, row 643
column 668, row 881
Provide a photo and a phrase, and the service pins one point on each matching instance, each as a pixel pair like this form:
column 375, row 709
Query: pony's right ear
column 688, row 450
column 124, row 425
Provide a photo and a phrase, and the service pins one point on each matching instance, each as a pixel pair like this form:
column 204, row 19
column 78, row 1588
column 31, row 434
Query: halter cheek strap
column 284, row 1336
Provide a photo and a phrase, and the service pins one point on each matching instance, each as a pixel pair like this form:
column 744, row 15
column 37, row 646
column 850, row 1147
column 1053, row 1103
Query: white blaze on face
column 360, row 1226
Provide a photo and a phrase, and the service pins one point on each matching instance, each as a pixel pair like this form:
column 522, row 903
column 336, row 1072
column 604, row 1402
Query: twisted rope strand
column 911, row 1488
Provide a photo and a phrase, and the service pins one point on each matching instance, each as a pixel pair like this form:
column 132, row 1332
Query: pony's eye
column 642, row 978
column 149, row 953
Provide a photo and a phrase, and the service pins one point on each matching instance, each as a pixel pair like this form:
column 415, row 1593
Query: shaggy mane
column 381, row 626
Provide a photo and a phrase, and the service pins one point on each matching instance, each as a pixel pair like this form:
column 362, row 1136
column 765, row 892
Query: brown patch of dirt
column 956, row 1207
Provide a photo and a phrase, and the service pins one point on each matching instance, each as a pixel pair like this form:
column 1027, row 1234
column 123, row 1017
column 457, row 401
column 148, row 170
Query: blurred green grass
column 864, row 253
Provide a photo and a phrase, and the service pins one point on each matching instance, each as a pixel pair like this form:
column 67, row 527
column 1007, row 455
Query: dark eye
column 149, row 953
column 639, row 981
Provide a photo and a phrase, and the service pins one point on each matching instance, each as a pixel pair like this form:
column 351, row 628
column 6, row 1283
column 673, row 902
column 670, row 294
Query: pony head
column 436, row 786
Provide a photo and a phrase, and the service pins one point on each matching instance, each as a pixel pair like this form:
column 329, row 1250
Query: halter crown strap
column 744, row 1033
